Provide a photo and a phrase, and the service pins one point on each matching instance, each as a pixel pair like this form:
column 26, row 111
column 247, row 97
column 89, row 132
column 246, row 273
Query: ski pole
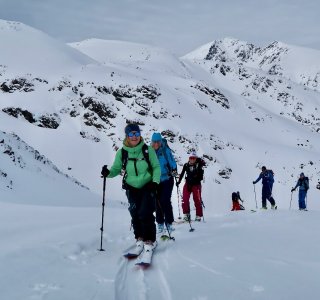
column 291, row 200
column 255, row 195
column 178, row 198
column 103, row 205
column 202, row 210
column 189, row 219
column 306, row 200
column 202, row 205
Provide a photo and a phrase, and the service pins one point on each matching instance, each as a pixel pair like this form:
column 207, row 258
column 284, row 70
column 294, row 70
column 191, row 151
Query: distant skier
column 141, row 181
column 236, row 205
column 164, row 213
column 194, row 170
column 303, row 184
column 267, row 177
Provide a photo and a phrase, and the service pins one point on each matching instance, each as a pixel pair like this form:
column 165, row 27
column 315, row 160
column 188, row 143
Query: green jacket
column 144, row 175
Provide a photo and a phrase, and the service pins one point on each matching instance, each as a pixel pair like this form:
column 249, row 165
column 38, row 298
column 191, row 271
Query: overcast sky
column 177, row 25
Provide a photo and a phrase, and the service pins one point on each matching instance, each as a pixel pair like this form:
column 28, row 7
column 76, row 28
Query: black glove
column 292, row 190
column 154, row 187
column 253, row 182
column 174, row 173
column 105, row 171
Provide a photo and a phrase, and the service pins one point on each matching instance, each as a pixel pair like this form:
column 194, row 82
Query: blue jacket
column 167, row 162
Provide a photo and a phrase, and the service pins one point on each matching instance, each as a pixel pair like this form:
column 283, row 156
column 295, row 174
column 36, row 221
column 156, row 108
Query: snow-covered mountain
column 225, row 100
column 62, row 113
column 26, row 176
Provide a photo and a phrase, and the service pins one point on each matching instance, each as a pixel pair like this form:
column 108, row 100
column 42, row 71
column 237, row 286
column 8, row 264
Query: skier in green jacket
column 141, row 180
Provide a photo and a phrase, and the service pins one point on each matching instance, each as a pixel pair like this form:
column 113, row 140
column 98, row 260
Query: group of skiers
column 267, row 177
column 149, row 174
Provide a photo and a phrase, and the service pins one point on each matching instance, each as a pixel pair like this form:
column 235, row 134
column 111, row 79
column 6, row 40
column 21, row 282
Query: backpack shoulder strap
column 124, row 158
column 164, row 148
column 145, row 152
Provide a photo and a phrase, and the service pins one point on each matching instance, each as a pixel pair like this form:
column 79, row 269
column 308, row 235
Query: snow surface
column 51, row 253
column 239, row 106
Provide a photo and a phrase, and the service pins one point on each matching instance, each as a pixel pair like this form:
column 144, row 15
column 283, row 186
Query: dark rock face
column 17, row 84
column 51, row 121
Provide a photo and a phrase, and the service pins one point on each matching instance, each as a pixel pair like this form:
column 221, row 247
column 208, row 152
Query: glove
column 154, row 187
column 292, row 190
column 174, row 173
column 105, row 171
column 253, row 182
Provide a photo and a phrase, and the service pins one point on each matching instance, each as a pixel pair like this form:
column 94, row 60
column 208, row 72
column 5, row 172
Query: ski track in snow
column 195, row 263
column 135, row 282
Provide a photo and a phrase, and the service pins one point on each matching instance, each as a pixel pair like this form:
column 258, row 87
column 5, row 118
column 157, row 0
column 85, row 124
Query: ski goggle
column 132, row 134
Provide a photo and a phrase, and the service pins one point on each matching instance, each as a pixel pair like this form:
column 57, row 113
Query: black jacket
column 194, row 172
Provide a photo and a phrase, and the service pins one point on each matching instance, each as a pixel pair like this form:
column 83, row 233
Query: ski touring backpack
column 125, row 158
column 164, row 146
column 269, row 176
column 200, row 163
column 305, row 183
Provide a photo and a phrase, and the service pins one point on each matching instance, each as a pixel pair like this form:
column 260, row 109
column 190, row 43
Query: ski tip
column 143, row 265
column 130, row 256
column 164, row 238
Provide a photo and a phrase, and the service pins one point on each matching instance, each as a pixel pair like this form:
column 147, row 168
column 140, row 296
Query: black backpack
column 305, row 182
column 125, row 158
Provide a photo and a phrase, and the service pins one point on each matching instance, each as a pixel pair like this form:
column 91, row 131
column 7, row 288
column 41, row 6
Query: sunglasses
column 132, row 134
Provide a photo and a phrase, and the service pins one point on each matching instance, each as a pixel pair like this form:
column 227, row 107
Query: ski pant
column 141, row 208
column 236, row 205
column 302, row 197
column 164, row 211
column 267, row 195
column 196, row 192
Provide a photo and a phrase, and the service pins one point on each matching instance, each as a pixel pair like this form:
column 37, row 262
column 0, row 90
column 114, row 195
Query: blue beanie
column 302, row 174
column 156, row 137
column 131, row 127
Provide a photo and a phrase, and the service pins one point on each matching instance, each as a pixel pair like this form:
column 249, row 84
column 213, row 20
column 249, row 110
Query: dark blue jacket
column 267, row 178
column 303, row 184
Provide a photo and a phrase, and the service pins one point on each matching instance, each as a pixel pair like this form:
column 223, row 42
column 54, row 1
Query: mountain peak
column 27, row 50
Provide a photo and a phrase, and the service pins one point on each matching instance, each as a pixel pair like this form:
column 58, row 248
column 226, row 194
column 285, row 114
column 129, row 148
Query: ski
column 130, row 255
column 166, row 237
column 181, row 221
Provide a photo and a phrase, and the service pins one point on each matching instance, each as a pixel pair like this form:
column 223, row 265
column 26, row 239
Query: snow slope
column 237, row 105
column 52, row 254
column 23, row 53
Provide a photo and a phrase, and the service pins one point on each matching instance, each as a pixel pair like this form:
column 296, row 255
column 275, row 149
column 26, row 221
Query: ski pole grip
column 101, row 171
